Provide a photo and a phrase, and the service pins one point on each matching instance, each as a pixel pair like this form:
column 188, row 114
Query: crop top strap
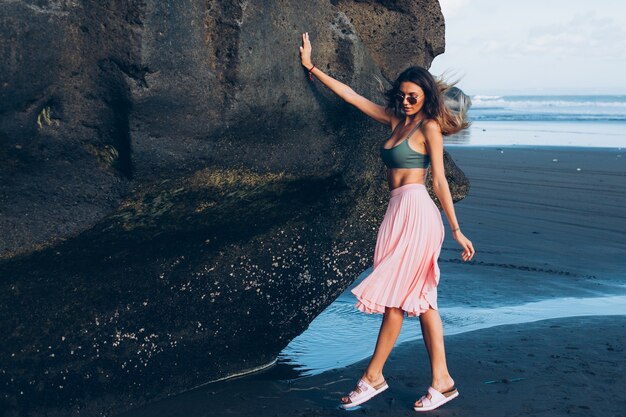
column 412, row 131
column 415, row 128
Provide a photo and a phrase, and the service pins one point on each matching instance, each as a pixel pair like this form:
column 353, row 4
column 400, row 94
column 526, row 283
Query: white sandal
column 436, row 399
column 363, row 392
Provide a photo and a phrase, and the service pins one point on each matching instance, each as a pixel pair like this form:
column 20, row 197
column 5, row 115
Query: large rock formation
column 178, row 200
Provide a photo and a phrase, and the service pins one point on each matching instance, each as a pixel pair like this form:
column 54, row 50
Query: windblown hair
column 451, row 118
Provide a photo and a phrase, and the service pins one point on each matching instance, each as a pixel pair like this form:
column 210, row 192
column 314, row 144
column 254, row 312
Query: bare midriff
column 397, row 177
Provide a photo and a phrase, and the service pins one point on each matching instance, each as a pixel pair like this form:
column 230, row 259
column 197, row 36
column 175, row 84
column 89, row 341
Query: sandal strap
column 435, row 395
column 425, row 401
column 361, row 386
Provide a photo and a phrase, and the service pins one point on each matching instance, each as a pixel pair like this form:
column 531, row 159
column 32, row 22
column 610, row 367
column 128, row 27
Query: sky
column 502, row 47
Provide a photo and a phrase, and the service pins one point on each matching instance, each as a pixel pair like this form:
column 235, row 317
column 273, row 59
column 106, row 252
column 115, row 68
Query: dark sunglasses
column 411, row 99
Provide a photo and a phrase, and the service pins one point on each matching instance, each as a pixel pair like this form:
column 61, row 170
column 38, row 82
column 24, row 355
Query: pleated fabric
column 405, row 272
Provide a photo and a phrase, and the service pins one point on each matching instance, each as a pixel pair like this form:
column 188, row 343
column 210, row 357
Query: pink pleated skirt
column 405, row 271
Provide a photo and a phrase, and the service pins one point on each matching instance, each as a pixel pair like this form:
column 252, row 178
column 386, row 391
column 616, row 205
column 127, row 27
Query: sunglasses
column 411, row 99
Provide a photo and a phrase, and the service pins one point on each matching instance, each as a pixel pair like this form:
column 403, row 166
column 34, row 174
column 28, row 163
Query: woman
column 405, row 272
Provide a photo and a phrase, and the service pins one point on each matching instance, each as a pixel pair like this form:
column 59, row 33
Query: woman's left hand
column 466, row 244
column 305, row 50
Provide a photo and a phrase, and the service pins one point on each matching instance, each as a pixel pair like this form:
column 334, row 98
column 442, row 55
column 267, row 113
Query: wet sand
column 543, row 229
column 561, row 367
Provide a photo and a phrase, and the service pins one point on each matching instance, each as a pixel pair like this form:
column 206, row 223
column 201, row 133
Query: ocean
column 564, row 120
column 548, row 108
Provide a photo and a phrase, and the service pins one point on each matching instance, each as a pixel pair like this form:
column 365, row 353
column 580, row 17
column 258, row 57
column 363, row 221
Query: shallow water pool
column 342, row 335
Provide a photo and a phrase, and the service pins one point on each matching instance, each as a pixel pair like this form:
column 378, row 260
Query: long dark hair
column 434, row 107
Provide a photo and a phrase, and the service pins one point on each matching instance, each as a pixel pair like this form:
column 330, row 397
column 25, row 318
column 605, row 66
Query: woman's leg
column 432, row 332
column 387, row 336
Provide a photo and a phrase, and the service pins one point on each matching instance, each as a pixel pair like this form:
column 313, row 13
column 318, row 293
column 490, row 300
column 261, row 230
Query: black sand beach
column 547, row 223
column 563, row 367
column 542, row 228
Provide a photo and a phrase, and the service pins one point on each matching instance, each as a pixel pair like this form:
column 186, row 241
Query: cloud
column 587, row 35
column 591, row 34
column 537, row 44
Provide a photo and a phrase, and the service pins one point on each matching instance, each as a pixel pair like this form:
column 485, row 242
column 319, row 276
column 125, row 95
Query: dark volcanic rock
column 64, row 116
column 177, row 200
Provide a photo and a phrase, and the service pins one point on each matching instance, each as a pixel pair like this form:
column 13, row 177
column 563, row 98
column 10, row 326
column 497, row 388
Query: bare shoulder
column 432, row 134
column 431, row 126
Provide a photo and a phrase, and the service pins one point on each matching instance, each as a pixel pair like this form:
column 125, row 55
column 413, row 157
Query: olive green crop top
column 402, row 156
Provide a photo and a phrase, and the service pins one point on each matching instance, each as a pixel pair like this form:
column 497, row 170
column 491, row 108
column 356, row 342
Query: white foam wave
column 486, row 98
column 481, row 101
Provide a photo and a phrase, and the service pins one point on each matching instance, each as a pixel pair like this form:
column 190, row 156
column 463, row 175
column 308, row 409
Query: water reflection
column 342, row 335
column 551, row 133
column 464, row 137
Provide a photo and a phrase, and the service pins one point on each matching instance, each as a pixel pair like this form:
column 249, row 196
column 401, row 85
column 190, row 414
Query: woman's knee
column 394, row 311
column 430, row 315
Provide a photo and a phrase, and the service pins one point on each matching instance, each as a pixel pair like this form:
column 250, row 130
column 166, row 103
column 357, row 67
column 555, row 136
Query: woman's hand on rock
column 305, row 51
column 466, row 244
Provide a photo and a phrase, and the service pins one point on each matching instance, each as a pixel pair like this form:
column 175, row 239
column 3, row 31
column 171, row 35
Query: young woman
column 405, row 272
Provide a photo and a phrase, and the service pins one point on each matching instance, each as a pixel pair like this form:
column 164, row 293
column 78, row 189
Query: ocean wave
column 504, row 102
column 485, row 98
column 541, row 108
column 536, row 117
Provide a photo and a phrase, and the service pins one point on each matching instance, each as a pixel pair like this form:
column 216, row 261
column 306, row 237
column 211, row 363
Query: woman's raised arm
column 434, row 146
column 371, row 109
